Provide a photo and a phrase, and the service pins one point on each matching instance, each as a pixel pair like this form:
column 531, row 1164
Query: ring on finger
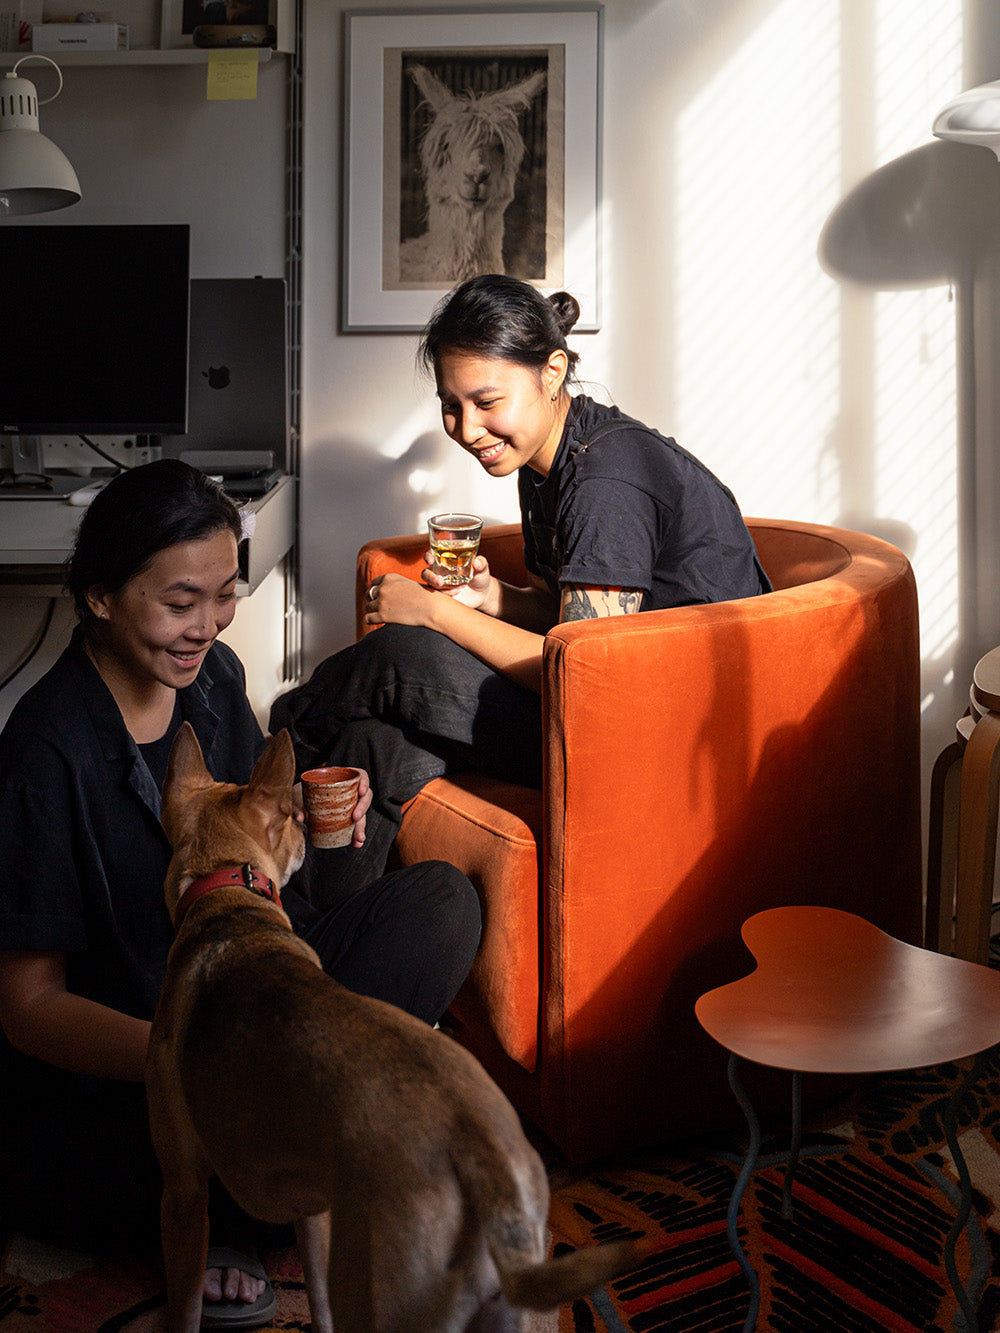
column 372, row 590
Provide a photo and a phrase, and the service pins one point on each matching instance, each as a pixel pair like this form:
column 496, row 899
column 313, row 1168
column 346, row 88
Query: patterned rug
column 875, row 1195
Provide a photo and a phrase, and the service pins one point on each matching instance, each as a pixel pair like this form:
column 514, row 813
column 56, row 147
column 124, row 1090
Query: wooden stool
column 960, row 886
column 833, row 994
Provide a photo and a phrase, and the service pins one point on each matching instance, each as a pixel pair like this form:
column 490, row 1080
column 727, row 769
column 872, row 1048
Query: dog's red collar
column 245, row 876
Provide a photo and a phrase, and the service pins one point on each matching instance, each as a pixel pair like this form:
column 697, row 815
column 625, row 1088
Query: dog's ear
column 275, row 769
column 186, row 774
column 186, row 767
column 269, row 791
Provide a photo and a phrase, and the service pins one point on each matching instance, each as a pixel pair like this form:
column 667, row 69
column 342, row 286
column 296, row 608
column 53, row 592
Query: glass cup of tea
column 454, row 542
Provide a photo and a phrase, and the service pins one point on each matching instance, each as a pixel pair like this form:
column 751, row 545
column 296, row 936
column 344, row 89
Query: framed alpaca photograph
column 472, row 145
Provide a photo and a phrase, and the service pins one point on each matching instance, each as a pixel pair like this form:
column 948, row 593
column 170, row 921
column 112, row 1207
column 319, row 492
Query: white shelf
column 38, row 536
column 184, row 56
column 282, row 16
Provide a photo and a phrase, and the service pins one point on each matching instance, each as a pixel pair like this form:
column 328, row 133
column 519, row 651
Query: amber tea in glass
column 454, row 542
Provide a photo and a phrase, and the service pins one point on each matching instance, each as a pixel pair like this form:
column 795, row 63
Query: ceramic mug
column 329, row 796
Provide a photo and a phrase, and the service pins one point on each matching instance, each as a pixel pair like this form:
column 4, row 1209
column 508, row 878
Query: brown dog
column 316, row 1106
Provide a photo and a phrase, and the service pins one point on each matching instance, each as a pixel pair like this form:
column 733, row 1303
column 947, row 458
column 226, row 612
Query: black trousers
column 408, row 705
column 77, row 1168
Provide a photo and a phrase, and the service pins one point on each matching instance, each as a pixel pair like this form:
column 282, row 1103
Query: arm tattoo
column 579, row 606
column 630, row 600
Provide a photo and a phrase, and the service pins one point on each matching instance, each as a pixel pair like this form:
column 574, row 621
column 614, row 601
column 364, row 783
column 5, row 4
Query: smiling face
column 157, row 629
column 502, row 413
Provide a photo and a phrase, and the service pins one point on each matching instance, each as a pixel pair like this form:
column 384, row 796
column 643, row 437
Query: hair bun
column 567, row 310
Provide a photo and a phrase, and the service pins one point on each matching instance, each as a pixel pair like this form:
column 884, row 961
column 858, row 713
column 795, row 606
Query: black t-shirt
column 632, row 509
column 157, row 753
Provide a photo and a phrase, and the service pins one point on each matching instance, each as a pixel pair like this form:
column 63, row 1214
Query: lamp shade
column 972, row 117
column 35, row 175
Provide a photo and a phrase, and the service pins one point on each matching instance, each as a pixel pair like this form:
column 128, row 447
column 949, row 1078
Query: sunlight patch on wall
column 918, row 68
column 756, row 319
column 811, row 397
column 915, row 444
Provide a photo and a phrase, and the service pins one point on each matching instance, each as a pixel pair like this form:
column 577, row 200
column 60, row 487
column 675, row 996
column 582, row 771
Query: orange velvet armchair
column 701, row 764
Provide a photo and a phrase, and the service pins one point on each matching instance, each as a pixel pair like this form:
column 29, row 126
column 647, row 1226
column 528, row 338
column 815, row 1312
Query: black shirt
column 632, row 509
column 83, row 851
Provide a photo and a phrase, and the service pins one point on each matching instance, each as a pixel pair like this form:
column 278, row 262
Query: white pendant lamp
column 35, row 176
column 972, row 117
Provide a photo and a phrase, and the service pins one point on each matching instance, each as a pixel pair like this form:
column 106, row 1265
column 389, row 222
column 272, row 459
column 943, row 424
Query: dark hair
column 138, row 514
column 503, row 319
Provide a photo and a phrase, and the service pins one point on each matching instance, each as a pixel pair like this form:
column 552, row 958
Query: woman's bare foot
column 235, row 1282
column 232, row 1284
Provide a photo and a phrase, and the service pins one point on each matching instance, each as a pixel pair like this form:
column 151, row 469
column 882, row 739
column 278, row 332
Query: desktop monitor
column 238, row 371
column 96, row 329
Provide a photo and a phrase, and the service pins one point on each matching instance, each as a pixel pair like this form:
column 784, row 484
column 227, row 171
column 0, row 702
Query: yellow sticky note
column 232, row 75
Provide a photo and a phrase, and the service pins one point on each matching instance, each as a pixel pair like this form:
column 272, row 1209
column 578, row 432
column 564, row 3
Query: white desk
column 37, row 536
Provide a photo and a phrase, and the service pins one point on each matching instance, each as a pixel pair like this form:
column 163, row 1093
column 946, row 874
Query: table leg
column 795, row 1147
column 746, row 1171
column 977, row 840
column 965, row 1196
column 942, row 837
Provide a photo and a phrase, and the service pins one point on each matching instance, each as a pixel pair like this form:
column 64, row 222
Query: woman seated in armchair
column 617, row 519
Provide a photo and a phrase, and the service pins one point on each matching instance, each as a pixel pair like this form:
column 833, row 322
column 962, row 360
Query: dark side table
column 833, row 994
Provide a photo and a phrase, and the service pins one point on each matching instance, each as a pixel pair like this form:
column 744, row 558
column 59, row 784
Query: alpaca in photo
column 469, row 159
